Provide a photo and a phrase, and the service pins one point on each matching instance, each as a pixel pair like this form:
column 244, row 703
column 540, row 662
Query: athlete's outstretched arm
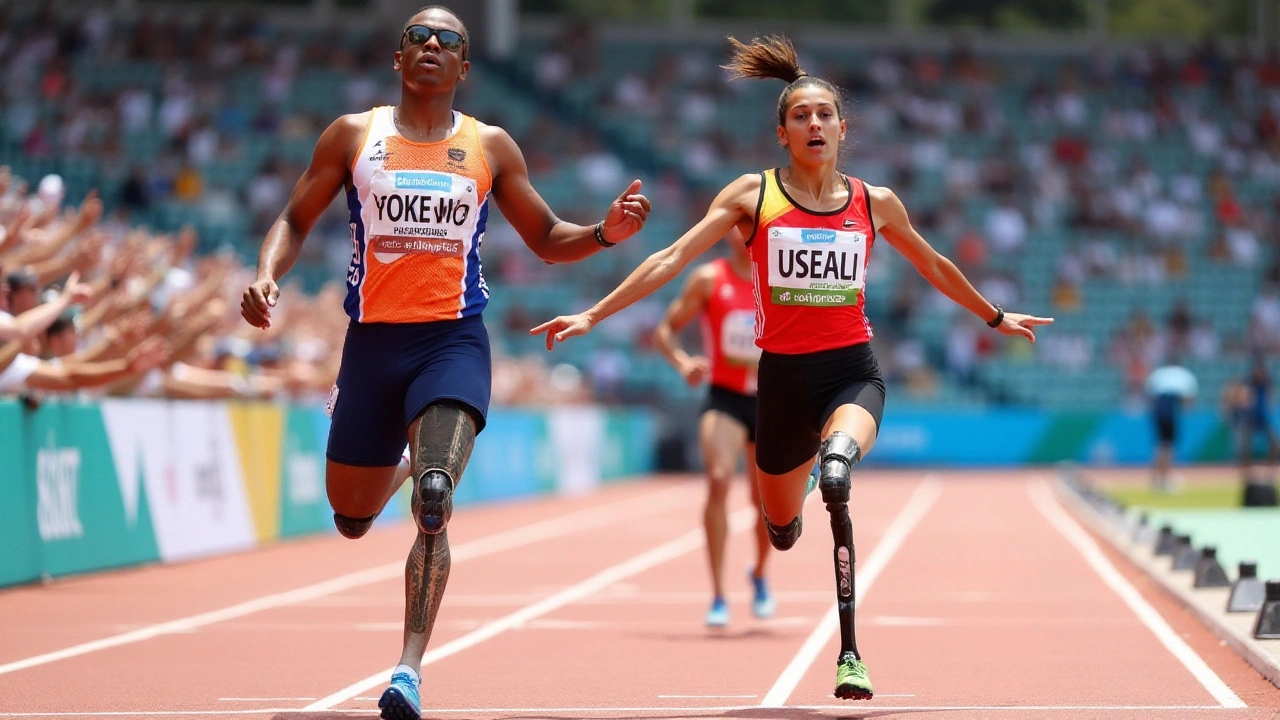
column 549, row 237
column 735, row 204
column 887, row 210
column 319, row 184
column 688, row 305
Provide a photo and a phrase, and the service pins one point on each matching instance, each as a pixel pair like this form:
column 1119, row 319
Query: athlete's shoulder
column 351, row 126
column 709, row 271
column 492, row 133
column 701, row 281
column 878, row 194
column 340, row 142
column 500, row 148
column 743, row 191
column 749, row 181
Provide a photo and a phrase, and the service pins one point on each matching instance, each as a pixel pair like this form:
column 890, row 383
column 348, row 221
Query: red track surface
column 981, row 609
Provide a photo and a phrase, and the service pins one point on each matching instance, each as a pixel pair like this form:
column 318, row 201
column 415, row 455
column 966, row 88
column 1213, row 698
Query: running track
column 980, row 597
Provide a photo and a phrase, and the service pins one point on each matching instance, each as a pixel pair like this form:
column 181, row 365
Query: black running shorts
column 736, row 405
column 797, row 394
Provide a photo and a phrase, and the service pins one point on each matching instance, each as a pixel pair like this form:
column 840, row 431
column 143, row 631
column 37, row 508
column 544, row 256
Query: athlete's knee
column 352, row 528
column 718, row 486
column 446, row 434
column 784, row 537
column 838, row 455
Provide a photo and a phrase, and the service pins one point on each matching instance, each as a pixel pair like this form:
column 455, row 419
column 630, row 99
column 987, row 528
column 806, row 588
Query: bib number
column 738, row 337
column 816, row 267
column 415, row 211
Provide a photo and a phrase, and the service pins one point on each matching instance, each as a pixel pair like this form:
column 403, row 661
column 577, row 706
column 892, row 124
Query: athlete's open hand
column 256, row 304
column 695, row 370
column 626, row 215
column 563, row 327
column 1024, row 325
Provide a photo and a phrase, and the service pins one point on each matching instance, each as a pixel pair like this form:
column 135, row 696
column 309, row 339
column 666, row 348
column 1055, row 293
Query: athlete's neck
column 740, row 264
column 424, row 119
column 813, row 186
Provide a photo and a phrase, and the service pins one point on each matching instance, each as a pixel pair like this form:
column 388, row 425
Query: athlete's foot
column 852, row 682
column 762, row 603
column 435, row 497
column 400, row 701
column 718, row 615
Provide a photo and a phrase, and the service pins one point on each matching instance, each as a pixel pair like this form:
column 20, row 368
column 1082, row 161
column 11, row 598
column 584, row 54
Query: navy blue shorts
column 390, row 373
column 1164, row 411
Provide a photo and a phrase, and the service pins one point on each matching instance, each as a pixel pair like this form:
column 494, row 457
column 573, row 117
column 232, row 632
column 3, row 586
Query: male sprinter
column 416, row 363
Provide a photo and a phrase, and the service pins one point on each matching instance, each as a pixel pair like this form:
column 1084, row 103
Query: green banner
column 630, row 444
column 82, row 520
column 20, row 559
column 304, row 504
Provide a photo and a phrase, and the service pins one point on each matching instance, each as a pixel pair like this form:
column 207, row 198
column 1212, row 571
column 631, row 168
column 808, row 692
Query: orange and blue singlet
column 418, row 216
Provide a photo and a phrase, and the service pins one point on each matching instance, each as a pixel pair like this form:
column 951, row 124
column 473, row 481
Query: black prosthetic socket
column 837, row 457
column 784, row 537
column 352, row 528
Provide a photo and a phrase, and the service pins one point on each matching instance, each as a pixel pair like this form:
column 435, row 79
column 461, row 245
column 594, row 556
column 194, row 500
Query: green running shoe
column 852, row 682
column 813, row 480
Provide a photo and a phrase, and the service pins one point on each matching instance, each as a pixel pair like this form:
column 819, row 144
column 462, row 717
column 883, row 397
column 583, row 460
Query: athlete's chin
column 428, row 77
column 814, row 157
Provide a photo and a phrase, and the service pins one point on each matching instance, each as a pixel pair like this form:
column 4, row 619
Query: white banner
column 577, row 434
column 184, row 454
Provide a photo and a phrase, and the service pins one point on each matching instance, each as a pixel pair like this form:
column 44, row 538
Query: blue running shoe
column 762, row 604
column 718, row 615
column 400, row 701
column 813, row 479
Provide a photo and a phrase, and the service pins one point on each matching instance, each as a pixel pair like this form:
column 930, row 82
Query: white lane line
column 692, row 540
column 706, row 697
column 1048, row 506
column 602, row 711
column 659, row 501
column 263, row 698
column 917, row 505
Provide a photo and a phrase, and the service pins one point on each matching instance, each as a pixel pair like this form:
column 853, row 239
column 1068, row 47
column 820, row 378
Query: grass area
column 1200, row 496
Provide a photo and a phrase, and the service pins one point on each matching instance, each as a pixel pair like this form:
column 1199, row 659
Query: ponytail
column 774, row 58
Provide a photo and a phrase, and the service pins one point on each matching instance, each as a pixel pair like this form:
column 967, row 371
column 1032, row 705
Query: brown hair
column 774, row 57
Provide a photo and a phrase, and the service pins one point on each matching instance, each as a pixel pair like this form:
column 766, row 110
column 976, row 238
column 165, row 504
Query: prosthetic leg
column 446, row 435
column 839, row 454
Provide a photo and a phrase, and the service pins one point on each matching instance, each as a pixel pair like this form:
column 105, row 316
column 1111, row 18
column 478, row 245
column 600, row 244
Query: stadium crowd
column 1141, row 169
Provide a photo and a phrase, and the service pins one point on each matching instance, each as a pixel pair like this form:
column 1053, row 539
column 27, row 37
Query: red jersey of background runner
column 729, row 332
column 809, row 270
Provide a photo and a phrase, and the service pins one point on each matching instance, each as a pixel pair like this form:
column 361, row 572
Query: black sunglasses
column 450, row 40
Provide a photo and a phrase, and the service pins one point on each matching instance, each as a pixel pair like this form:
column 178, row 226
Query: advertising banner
column 191, row 473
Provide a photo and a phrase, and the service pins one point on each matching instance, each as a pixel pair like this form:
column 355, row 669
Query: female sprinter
column 809, row 229
column 721, row 293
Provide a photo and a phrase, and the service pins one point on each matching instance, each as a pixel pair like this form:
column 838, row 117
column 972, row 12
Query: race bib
column 418, row 211
column 816, row 267
column 738, row 337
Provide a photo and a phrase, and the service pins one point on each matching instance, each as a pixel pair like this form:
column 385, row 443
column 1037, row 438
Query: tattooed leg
column 442, row 441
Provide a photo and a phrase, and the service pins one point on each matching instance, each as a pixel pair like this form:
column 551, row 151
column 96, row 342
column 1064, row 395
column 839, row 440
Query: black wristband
column 999, row 318
column 600, row 236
